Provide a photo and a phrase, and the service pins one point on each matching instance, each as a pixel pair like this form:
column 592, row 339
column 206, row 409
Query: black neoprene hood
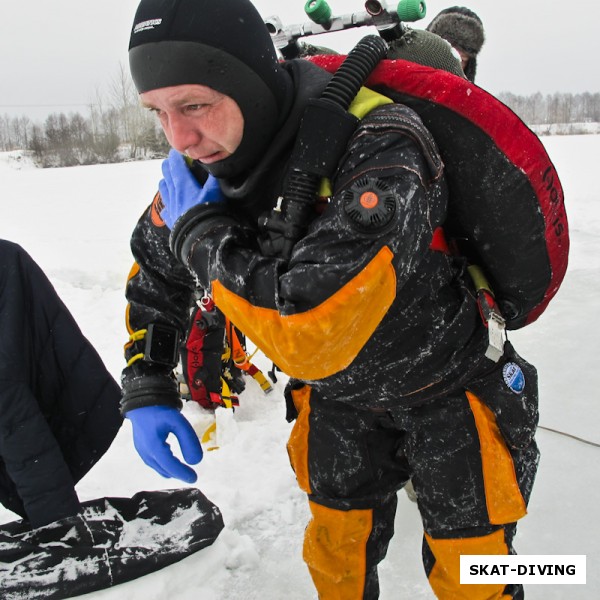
column 221, row 44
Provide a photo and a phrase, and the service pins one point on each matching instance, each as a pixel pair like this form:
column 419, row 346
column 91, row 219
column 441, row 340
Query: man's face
column 464, row 58
column 197, row 120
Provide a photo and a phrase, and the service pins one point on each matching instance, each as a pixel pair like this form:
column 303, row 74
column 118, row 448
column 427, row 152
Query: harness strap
column 242, row 361
column 140, row 334
column 488, row 308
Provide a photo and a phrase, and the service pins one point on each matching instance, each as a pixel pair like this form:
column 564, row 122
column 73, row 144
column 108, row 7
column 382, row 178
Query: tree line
column 558, row 108
column 119, row 129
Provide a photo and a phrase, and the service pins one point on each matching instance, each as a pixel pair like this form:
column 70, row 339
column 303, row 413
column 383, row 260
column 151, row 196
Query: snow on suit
column 384, row 343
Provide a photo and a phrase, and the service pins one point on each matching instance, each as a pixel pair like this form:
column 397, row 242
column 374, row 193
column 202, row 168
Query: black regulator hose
column 354, row 71
column 324, row 133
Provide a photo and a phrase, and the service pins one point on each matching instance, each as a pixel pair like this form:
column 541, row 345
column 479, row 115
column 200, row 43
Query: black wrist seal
column 150, row 390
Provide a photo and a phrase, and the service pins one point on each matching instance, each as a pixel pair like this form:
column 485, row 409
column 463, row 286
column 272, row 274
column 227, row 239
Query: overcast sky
column 55, row 55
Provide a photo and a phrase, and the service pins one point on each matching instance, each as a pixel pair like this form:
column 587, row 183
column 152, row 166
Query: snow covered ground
column 76, row 224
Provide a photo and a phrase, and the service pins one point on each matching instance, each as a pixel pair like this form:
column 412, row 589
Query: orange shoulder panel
column 325, row 339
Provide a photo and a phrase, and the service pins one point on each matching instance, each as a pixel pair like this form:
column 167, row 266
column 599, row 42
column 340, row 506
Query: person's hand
column 180, row 190
column 151, row 427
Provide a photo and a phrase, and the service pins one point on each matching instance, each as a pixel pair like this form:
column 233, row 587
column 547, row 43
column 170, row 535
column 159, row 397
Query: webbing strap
column 140, row 334
column 242, row 361
column 488, row 309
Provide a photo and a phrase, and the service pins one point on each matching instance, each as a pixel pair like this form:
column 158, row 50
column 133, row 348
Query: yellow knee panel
column 335, row 550
column 445, row 575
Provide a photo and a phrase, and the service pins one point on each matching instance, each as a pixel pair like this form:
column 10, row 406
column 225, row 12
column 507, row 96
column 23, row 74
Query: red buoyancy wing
column 505, row 194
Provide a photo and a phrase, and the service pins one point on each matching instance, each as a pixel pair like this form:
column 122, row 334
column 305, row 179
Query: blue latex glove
column 151, row 426
column 180, row 190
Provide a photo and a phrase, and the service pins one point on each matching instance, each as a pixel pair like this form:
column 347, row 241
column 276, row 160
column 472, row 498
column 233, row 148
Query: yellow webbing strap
column 226, row 353
column 364, row 102
column 325, row 190
column 262, row 381
column 250, row 356
column 135, row 358
column 479, row 279
column 208, row 438
column 140, row 334
column 226, row 394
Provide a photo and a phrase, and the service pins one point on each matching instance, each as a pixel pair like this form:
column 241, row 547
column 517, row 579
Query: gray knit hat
column 425, row 48
column 463, row 29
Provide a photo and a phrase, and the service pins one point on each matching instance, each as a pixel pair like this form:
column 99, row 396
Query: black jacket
column 58, row 404
column 370, row 315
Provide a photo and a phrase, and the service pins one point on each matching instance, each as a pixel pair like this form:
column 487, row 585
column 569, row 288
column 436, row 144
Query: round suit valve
column 369, row 204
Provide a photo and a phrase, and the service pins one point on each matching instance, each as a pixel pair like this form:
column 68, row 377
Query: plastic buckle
column 496, row 326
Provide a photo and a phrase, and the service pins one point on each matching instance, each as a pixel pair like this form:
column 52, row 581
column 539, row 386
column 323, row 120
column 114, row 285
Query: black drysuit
column 381, row 335
column 59, row 406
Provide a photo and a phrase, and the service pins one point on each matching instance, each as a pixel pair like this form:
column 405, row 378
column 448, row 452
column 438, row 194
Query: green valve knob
column 318, row 11
column 411, row 10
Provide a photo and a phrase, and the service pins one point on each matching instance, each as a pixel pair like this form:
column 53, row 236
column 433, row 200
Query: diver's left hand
column 151, row 427
column 180, row 190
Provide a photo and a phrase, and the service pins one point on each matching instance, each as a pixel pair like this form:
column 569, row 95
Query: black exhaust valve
column 369, row 204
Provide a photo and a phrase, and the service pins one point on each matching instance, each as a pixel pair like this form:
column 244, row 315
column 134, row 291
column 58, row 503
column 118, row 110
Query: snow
column 76, row 223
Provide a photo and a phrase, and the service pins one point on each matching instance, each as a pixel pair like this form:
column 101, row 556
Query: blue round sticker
column 514, row 377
